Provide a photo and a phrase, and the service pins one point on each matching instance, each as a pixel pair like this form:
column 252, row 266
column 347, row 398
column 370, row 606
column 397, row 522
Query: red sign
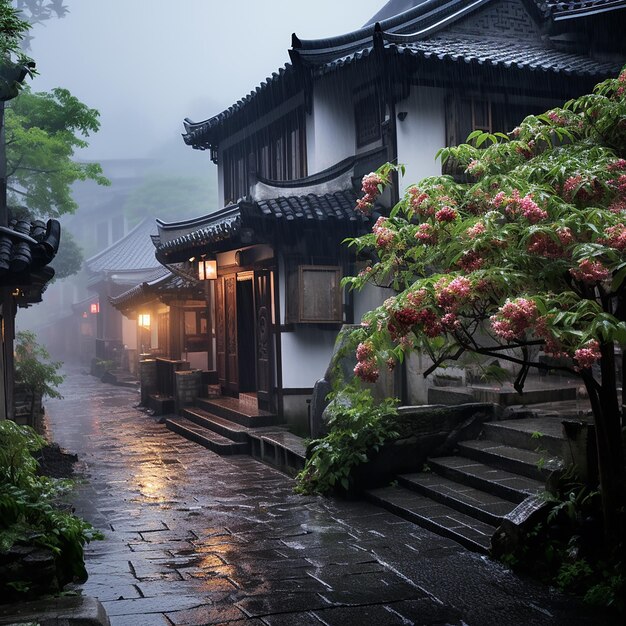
column 95, row 307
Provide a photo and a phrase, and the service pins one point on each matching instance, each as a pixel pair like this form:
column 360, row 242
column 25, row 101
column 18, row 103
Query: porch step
column 435, row 516
column 499, row 482
column 466, row 495
column 239, row 412
column 535, row 465
column 479, row 504
column 205, row 437
column 278, row 448
column 219, row 425
column 538, row 435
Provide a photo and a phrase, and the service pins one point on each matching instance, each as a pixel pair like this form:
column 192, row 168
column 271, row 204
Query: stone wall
column 147, row 379
column 188, row 384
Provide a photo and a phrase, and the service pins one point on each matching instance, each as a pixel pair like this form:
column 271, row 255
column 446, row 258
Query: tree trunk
column 607, row 418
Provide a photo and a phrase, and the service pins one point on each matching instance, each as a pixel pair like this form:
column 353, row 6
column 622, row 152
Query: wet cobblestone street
column 195, row 538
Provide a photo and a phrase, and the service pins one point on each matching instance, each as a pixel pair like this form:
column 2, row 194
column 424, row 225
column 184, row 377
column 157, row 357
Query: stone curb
column 64, row 611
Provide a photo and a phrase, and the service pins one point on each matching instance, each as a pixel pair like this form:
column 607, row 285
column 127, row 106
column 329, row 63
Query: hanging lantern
column 144, row 320
column 207, row 269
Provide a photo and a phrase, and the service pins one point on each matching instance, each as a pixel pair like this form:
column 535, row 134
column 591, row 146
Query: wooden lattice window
column 367, row 120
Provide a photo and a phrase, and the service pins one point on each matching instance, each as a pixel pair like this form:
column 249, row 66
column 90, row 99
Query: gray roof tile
column 135, row 251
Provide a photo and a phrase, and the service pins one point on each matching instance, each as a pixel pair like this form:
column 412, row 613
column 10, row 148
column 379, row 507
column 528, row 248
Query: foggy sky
column 148, row 64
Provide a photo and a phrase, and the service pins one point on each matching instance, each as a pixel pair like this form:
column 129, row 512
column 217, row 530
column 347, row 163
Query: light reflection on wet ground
column 194, row 538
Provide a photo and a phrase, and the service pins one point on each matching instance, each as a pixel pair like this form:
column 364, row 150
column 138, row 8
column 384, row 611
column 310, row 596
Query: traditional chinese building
column 290, row 155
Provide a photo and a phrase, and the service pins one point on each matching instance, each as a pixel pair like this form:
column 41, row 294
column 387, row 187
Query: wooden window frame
column 367, row 120
column 335, row 311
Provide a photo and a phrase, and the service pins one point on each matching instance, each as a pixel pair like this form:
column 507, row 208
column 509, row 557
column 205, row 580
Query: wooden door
column 230, row 335
column 264, row 338
column 220, row 331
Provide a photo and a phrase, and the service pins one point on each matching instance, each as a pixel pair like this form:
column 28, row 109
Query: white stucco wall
column 330, row 134
column 369, row 298
column 306, row 354
column 421, row 134
column 129, row 333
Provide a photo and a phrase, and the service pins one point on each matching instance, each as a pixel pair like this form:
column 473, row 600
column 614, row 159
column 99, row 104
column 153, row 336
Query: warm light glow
column 207, row 269
column 144, row 320
column 95, row 307
column 84, row 314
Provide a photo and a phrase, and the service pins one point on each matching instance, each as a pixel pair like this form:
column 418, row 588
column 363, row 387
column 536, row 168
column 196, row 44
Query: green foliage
column 33, row 367
column 30, row 509
column 357, row 427
column 69, row 258
column 541, row 221
column 42, row 132
column 565, row 549
column 525, row 252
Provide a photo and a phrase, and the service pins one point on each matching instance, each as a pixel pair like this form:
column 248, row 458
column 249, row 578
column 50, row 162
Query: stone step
column 207, row 438
column 279, row 448
column 439, row 518
column 219, row 425
column 550, row 391
column 238, row 412
column 493, row 480
column 516, row 460
column 476, row 503
column 538, row 435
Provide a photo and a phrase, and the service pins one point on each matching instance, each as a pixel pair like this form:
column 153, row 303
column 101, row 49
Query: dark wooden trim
column 298, row 391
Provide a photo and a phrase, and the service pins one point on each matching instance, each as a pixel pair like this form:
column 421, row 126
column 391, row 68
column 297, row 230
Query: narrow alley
column 194, row 538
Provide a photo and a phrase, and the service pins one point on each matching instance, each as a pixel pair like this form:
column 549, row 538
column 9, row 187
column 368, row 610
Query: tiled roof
column 167, row 282
column 195, row 131
column 135, row 251
column 321, row 208
column 424, row 23
column 506, row 53
column 335, row 206
column 577, row 8
column 27, row 246
column 222, row 228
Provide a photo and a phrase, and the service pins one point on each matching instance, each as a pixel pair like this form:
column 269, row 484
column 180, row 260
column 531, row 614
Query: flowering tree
column 528, row 254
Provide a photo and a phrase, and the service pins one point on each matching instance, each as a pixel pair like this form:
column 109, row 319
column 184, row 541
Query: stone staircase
column 229, row 426
column 465, row 496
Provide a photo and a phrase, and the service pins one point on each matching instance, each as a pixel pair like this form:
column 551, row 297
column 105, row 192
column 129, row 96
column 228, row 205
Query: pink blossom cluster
column 615, row 237
column 452, row 294
column 471, row 261
column 366, row 368
column 525, row 149
column 419, row 202
column 384, row 235
column 557, row 119
column 475, row 168
column 446, row 214
column 587, row 356
column 525, row 206
column 513, row 318
column 583, row 191
column 619, row 164
column 402, row 320
column 416, row 298
column 589, row 271
column 542, row 244
column 551, row 345
column 476, row 230
column 369, row 186
column 426, row 234
column 498, row 199
column 621, row 79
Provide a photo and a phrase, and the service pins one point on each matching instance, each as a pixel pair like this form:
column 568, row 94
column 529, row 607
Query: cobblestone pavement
column 194, row 538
